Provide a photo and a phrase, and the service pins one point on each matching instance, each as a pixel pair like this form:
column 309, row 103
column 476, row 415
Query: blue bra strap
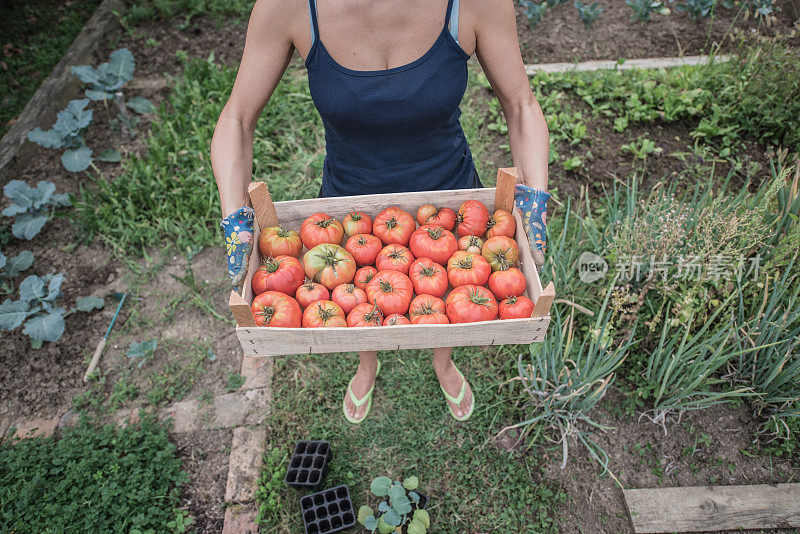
column 312, row 16
column 454, row 20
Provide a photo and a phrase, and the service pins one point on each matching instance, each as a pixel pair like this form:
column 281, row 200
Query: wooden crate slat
column 292, row 213
column 506, row 185
column 262, row 205
column 241, row 310
column 284, row 341
column 713, row 508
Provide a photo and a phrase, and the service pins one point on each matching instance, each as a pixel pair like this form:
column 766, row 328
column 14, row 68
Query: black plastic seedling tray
column 309, row 464
column 330, row 510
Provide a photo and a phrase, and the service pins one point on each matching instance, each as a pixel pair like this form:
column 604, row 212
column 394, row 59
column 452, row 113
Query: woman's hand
column 238, row 228
column 532, row 204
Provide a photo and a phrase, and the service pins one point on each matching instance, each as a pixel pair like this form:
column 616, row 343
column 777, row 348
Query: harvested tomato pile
column 391, row 272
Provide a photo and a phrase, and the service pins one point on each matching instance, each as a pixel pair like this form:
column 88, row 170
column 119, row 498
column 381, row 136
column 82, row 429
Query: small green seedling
column 589, row 13
column 533, row 11
column 144, row 350
column 398, row 508
column 32, row 207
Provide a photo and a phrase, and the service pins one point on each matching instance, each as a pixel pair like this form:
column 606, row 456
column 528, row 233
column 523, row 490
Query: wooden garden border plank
column 644, row 63
column 61, row 86
column 712, row 508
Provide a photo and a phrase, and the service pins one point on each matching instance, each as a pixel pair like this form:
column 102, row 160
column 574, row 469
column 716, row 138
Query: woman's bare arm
column 497, row 48
column 267, row 52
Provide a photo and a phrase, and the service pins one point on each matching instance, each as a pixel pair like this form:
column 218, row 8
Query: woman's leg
column 449, row 379
column 362, row 382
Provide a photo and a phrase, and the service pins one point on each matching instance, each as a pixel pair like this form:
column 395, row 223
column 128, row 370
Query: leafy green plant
column 399, row 509
column 105, row 80
column 533, row 11
column 10, row 268
column 67, row 133
column 564, row 381
column 570, row 164
column 643, row 9
column 32, row 207
column 235, row 381
column 697, row 9
column 103, row 478
column 44, row 321
column 641, row 148
column 144, row 350
column 588, row 13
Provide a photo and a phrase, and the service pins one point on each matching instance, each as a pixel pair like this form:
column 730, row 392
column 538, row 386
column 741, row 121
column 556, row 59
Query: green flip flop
column 457, row 400
column 359, row 402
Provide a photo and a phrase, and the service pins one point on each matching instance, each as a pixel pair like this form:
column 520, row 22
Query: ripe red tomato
column 329, row 265
column 283, row 273
column 395, row 319
column 365, row 315
column 323, row 313
column 510, row 282
column 273, row 308
column 394, row 258
column 501, row 252
column 310, row 293
column 465, row 268
column 321, row 228
column 394, row 225
column 433, row 242
column 470, row 304
column 516, row 308
column 357, row 222
column 430, row 214
column 348, row 296
column 277, row 241
column 364, row 248
column 428, row 277
column 391, row 291
column 472, row 218
column 427, row 309
column 501, row 223
column 470, row 243
column 363, row 276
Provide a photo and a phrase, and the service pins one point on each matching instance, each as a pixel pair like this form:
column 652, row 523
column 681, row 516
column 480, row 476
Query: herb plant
column 67, row 133
column 533, row 11
column 32, row 207
column 400, row 508
column 589, row 13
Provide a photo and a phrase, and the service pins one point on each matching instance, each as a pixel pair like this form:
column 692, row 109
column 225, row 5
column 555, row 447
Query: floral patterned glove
column 238, row 228
column 532, row 204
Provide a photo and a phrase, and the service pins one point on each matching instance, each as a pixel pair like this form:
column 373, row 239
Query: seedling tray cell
column 309, row 464
column 330, row 510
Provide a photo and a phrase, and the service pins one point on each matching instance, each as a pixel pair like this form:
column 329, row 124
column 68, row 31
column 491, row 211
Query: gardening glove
column 238, row 228
column 532, row 204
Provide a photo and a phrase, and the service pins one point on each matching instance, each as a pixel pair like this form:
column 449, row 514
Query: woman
column 389, row 101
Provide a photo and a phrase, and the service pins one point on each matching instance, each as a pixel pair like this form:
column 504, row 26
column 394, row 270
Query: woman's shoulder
column 287, row 14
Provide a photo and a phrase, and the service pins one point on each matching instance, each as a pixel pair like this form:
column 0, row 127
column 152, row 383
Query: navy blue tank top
column 392, row 130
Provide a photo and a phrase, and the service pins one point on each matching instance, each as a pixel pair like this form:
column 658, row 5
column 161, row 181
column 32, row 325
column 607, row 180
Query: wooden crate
column 270, row 341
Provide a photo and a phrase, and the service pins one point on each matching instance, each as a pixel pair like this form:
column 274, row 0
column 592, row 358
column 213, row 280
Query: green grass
column 93, row 479
column 39, row 33
column 473, row 485
column 139, row 11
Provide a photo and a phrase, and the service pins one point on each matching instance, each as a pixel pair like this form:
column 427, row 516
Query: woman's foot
column 452, row 382
column 360, row 385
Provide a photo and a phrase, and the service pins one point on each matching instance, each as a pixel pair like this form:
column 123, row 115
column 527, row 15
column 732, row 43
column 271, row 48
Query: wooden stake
column 241, row 310
column 506, row 183
column 262, row 205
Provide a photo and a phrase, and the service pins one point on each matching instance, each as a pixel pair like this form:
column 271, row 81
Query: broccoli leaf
column 109, row 155
column 28, row 225
column 140, row 105
column 32, row 288
column 87, row 304
column 77, row 160
column 45, row 327
column 122, row 65
column 54, row 286
column 48, row 139
column 380, row 486
column 17, row 264
column 13, row 313
column 20, row 193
